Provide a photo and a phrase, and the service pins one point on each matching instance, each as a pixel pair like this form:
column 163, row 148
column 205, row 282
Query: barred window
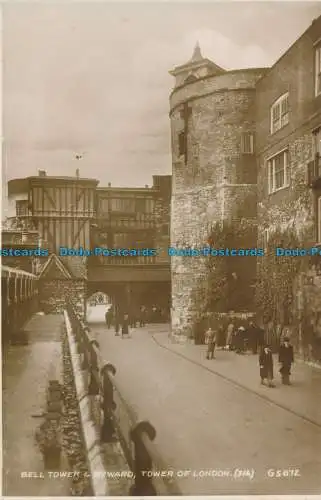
column 247, row 143
column 280, row 113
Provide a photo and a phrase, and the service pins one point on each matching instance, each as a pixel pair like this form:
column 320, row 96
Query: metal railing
column 115, row 420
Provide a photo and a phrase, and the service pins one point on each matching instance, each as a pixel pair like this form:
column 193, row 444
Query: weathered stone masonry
column 212, row 180
column 293, row 208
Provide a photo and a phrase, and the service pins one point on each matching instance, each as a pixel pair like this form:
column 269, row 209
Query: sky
column 93, row 78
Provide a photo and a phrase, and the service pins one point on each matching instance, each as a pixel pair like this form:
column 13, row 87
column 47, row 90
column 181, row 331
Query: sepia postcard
column 161, row 249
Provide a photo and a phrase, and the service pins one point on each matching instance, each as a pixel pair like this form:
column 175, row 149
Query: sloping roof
column 76, row 265
column 54, row 269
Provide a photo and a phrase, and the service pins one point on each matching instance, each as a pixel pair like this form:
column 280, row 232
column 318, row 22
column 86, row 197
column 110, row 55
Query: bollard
column 143, row 485
column 108, row 433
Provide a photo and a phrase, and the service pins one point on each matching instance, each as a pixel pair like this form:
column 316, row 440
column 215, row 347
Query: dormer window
column 280, row 113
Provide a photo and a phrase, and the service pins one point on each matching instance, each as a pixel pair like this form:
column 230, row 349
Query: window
column 181, row 143
column 278, row 172
column 318, row 70
column 319, row 219
column 280, row 113
column 123, row 204
column 21, row 208
column 247, row 143
column 140, row 205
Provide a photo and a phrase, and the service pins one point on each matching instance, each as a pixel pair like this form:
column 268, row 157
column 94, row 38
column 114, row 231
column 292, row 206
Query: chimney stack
column 109, row 184
column 42, row 173
column 77, row 173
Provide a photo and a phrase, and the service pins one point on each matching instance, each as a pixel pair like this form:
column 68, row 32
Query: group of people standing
column 123, row 321
column 240, row 339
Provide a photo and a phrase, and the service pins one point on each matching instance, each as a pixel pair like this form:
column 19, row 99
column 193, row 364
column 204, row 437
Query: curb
column 92, row 442
column 238, row 384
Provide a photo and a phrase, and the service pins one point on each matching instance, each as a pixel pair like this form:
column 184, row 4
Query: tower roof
column 197, row 61
column 197, row 55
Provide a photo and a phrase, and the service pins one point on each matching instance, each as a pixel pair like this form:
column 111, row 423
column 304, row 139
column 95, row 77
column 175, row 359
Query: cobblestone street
column 216, row 423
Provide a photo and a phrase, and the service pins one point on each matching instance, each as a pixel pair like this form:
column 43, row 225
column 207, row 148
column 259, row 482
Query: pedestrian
column 240, row 339
column 133, row 318
column 286, row 358
column 256, row 337
column 109, row 317
column 211, row 341
column 117, row 325
column 229, row 336
column 142, row 318
column 125, row 326
column 266, row 366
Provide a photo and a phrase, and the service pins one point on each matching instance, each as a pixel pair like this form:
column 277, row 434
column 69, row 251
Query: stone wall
column 216, row 181
column 72, row 429
column 55, row 293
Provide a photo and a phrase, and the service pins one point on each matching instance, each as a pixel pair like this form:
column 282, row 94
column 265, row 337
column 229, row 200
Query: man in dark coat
column 125, row 326
column 256, row 337
column 117, row 321
column 286, row 358
column 142, row 321
column 266, row 366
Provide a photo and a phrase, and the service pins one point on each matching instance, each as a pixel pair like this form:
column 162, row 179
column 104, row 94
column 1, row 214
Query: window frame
column 249, row 135
column 317, row 69
column 22, row 203
column 278, row 105
column 271, row 171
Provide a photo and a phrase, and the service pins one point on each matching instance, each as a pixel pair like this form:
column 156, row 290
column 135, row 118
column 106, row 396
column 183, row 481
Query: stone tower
column 214, row 168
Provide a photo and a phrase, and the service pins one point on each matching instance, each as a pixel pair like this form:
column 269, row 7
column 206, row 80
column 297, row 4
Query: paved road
column 26, row 371
column 206, row 423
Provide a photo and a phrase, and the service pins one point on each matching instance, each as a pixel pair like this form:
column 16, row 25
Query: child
column 266, row 366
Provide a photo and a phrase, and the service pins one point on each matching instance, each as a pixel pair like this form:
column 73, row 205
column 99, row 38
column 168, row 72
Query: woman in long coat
column 266, row 366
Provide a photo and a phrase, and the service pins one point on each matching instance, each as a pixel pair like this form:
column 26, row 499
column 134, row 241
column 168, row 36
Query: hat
column 241, row 328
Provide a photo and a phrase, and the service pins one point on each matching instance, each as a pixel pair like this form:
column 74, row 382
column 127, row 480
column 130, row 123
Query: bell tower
column 197, row 67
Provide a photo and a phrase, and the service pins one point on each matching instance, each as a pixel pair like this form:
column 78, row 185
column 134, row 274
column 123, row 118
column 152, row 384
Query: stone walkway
column 25, row 375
